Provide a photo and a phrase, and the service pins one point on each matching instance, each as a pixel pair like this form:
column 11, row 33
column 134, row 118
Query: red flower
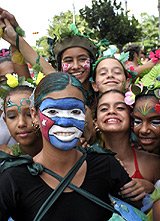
column 155, row 56
column 131, row 68
column 157, row 52
column 157, row 108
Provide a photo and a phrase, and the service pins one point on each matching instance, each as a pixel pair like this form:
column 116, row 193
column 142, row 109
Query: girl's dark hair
column 55, row 82
column 105, row 58
column 5, row 58
column 110, row 91
column 146, row 94
column 132, row 49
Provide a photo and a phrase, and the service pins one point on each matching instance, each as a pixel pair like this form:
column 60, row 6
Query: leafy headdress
column 148, row 84
column 74, row 38
column 111, row 52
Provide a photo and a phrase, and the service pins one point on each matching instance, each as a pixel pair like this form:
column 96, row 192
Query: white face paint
column 65, row 134
column 62, row 121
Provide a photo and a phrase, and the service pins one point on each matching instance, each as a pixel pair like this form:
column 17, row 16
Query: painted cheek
column 65, row 67
column 46, row 124
column 87, row 65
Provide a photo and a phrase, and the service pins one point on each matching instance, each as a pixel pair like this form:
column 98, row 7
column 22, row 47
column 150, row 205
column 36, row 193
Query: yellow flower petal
column 12, row 81
column 39, row 77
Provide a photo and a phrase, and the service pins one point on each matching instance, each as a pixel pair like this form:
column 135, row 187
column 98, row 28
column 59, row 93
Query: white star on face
column 44, row 122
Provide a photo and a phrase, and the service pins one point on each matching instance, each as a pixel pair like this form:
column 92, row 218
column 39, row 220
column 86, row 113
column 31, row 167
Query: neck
column 32, row 149
column 118, row 143
column 57, row 160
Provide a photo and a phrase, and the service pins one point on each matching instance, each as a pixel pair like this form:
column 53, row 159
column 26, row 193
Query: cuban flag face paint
column 62, row 121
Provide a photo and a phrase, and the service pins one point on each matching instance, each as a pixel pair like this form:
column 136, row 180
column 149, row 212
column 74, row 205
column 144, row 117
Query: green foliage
column 60, row 25
column 149, row 25
column 108, row 20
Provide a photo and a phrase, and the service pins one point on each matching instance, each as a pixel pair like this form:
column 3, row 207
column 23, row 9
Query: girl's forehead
column 75, row 51
column 69, row 91
column 109, row 62
column 146, row 100
column 18, row 95
column 114, row 96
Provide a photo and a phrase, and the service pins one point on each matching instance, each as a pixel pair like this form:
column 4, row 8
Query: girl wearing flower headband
column 113, row 120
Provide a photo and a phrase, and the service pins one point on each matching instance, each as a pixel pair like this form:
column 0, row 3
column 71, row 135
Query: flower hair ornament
column 10, row 81
column 149, row 82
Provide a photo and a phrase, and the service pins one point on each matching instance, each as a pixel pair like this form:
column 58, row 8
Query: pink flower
column 129, row 98
column 155, row 56
column 157, row 52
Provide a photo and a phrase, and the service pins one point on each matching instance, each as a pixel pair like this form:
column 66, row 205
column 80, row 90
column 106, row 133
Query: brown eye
column 76, row 112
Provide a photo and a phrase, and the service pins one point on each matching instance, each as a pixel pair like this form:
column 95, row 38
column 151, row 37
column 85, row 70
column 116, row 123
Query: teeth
column 65, row 134
column 79, row 73
column 113, row 120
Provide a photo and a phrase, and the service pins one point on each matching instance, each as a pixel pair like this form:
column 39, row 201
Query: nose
column 75, row 64
column 144, row 129
column 111, row 110
column 21, row 121
column 109, row 74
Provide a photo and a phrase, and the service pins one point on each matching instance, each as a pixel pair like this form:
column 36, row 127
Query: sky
column 34, row 15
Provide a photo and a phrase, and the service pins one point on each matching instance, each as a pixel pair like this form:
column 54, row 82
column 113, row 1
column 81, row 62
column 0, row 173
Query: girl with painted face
column 19, row 122
column 59, row 107
column 147, row 122
column 75, row 55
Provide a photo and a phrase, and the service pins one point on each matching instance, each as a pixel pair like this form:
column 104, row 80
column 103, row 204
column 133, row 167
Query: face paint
column 62, row 121
column 65, row 67
column 86, row 64
column 145, row 109
column 23, row 102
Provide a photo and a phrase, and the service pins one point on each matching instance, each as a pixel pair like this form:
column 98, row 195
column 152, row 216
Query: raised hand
column 5, row 14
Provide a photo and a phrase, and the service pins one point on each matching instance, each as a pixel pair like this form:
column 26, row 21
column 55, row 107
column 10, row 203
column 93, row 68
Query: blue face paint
column 62, row 121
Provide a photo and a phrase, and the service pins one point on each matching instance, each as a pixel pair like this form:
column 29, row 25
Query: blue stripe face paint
column 62, row 121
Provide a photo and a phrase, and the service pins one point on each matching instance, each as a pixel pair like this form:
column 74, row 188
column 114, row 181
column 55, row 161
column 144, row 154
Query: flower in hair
column 39, row 77
column 129, row 98
column 135, row 89
column 12, row 80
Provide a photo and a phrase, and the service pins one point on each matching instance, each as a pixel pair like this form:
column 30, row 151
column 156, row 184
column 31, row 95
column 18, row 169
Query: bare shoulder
column 144, row 155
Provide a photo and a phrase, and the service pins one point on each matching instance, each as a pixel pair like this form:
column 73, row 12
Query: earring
column 36, row 126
